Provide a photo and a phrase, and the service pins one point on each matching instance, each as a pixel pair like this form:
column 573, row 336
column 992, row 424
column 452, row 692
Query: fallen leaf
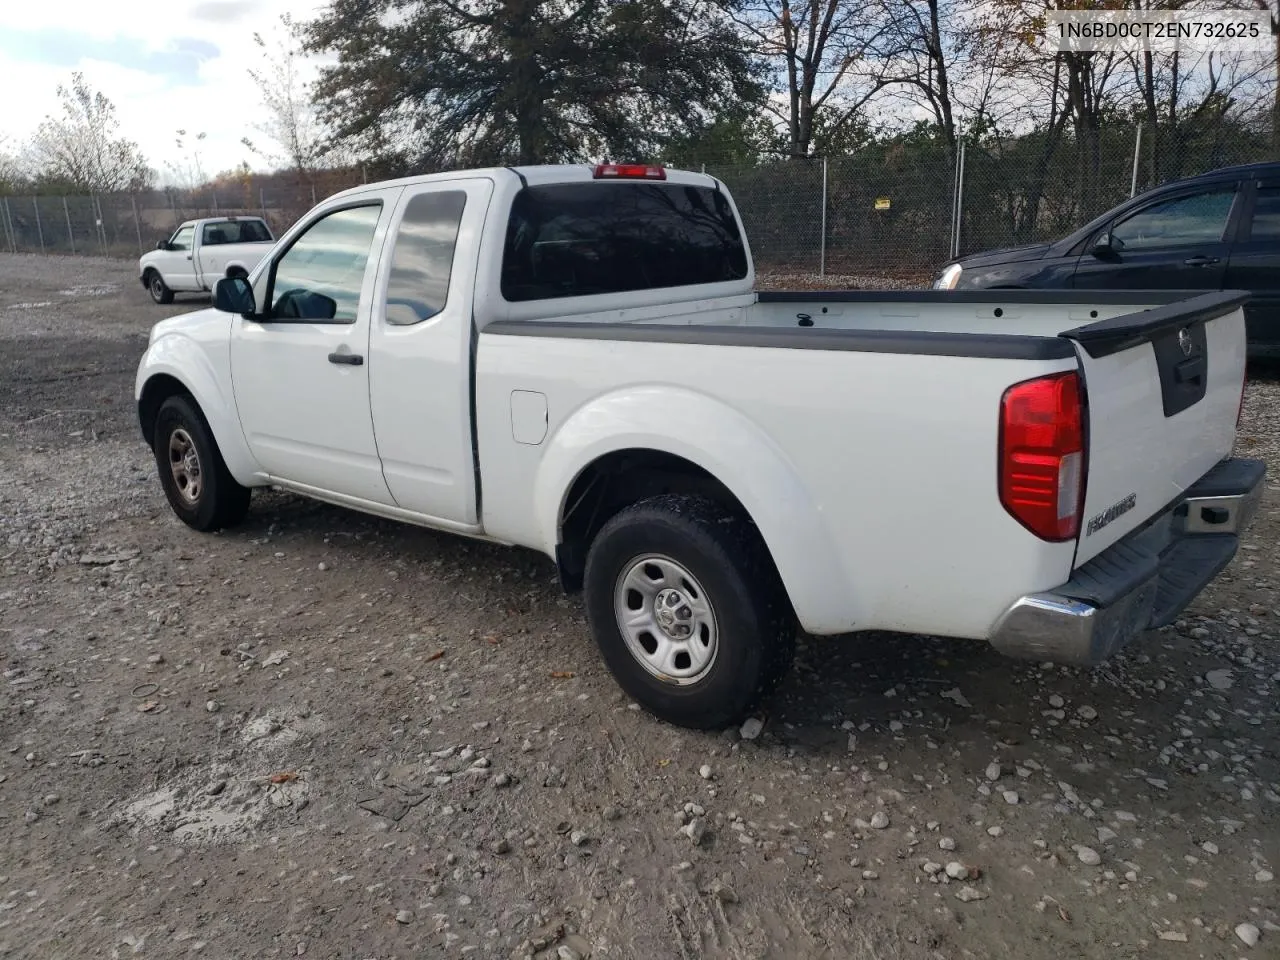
column 149, row 706
column 1066, row 917
column 664, row 763
column 562, row 674
column 287, row 777
column 492, row 639
column 435, row 656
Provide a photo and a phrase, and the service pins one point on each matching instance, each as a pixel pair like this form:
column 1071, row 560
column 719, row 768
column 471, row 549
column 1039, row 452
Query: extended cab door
column 176, row 264
column 1255, row 266
column 300, row 374
column 210, row 259
column 420, row 348
column 1177, row 242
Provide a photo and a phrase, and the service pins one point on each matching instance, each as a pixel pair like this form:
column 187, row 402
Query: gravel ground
column 329, row 736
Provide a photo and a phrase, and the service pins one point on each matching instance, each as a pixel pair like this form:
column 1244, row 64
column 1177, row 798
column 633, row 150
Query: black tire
column 755, row 624
column 158, row 289
column 215, row 500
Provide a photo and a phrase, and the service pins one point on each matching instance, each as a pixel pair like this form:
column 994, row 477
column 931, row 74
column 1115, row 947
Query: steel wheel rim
column 157, row 288
column 184, row 465
column 666, row 619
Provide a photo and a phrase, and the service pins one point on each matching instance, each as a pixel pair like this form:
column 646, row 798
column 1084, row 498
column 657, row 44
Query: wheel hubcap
column 666, row 619
column 156, row 289
column 184, row 464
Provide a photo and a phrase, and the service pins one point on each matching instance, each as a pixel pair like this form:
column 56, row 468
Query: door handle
column 352, row 359
column 1200, row 261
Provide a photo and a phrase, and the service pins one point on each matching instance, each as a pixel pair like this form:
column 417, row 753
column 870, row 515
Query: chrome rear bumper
column 1142, row 582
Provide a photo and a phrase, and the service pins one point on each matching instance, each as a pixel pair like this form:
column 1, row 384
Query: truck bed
column 866, row 430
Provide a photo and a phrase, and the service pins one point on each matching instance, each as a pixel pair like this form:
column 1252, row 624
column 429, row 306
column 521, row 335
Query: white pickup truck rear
column 574, row 359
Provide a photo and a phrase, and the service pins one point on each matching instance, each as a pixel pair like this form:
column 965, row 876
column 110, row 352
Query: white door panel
column 301, row 375
column 420, row 348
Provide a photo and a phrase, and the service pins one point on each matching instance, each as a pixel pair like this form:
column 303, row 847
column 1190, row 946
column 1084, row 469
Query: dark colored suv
column 1219, row 230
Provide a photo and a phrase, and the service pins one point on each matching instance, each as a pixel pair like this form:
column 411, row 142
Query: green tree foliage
column 444, row 82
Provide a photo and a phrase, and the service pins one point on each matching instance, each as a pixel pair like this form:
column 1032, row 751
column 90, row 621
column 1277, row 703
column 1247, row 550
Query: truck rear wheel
column 158, row 289
column 195, row 479
column 688, row 611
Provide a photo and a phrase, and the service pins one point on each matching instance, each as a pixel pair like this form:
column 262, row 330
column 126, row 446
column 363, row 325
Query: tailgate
column 1163, row 392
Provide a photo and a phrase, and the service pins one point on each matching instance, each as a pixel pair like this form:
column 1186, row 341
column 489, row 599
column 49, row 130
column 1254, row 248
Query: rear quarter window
column 580, row 239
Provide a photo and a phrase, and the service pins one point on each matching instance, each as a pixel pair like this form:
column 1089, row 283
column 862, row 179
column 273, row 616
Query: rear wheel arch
column 614, row 481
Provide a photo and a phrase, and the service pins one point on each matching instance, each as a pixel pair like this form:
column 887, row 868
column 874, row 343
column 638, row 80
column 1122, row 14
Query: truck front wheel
column 688, row 611
column 158, row 289
column 195, row 479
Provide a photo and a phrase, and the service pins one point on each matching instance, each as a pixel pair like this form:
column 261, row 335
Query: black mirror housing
column 162, row 244
column 235, row 295
column 1103, row 249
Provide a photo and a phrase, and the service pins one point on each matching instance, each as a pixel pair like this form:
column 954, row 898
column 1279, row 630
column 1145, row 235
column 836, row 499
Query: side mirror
column 1103, row 249
column 234, row 295
column 162, row 244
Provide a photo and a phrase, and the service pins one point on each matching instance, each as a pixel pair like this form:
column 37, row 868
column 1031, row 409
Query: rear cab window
column 583, row 239
column 235, row 231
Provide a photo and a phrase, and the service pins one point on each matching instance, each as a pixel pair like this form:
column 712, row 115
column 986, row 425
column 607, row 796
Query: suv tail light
column 1042, row 455
column 629, row 171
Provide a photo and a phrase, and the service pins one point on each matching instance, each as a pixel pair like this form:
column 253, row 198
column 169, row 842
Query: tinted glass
column 182, row 239
column 573, row 240
column 235, row 231
column 320, row 276
column 1199, row 218
column 1266, row 215
column 423, row 257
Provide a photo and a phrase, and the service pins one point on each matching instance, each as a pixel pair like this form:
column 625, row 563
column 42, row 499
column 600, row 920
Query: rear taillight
column 1042, row 455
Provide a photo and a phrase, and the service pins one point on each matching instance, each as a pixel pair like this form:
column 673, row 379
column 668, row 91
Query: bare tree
column 828, row 53
column 187, row 169
column 13, row 171
column 81, row 147
column 293, row 130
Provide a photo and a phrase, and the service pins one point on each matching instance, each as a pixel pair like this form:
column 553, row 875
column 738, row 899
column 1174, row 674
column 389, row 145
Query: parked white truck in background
column 201, row 252
column 574, row 359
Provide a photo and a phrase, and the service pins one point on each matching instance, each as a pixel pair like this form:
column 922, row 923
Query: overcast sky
column 165, row 63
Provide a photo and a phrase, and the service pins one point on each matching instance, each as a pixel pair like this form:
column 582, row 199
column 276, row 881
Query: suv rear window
column 578, row 239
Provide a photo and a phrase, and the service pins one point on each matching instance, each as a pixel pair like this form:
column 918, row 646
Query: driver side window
column 182, row 239
column 320, row 275
column 1198, row 218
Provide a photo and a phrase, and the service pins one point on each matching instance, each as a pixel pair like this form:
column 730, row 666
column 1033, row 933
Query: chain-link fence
column 893, row 211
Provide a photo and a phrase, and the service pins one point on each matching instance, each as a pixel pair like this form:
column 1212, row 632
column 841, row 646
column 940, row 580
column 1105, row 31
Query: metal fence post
column 35, row 202
column 137, row 221
column 70, row 235
column 262, row 202
column 822, row 243
column 1137, row 152
column 957, row 209
column 7, row 218
column 102, row 227
column 215, row 202
column 313, row 194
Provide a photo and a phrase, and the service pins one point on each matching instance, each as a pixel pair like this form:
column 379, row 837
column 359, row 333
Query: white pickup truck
column 574, row 359
column 201, row 252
